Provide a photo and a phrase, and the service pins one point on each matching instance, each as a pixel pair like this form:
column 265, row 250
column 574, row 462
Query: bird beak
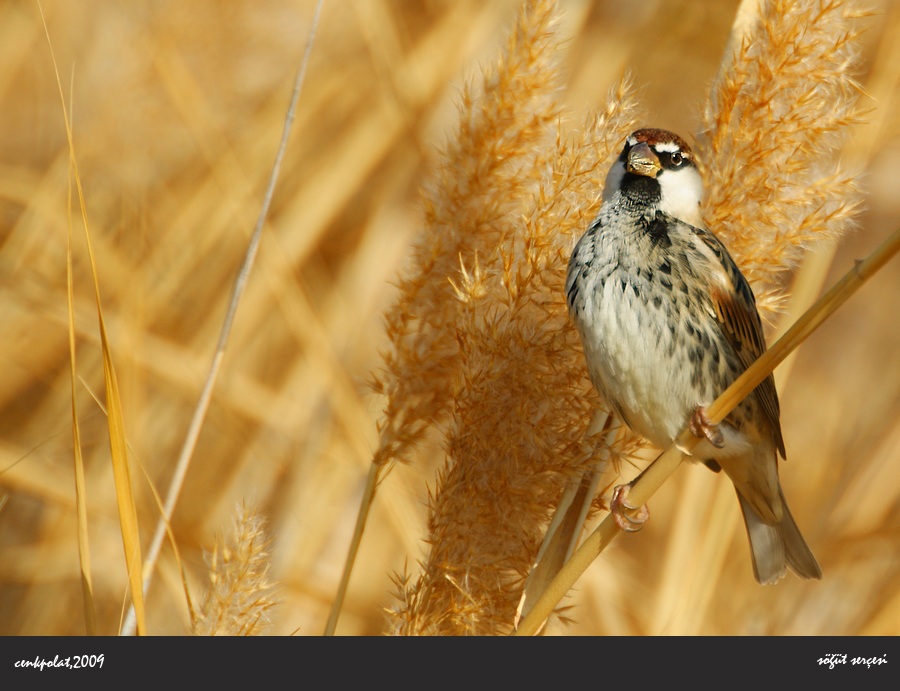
column 642, row 161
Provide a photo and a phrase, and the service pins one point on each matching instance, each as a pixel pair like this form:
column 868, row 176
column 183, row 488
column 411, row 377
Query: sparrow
column 668, row 321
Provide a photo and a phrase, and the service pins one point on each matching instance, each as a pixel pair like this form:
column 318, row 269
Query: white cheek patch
column 682, row 191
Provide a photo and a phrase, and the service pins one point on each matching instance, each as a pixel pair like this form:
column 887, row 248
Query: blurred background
column 177, row 111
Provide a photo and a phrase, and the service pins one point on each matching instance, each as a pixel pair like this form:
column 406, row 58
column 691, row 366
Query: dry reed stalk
column 239, row 598
column 240, row 285
column 84, row 550
column 127, row 511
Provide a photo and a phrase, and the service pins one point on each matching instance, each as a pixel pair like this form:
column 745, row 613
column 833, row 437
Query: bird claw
column 629, row 518
column 702, row 428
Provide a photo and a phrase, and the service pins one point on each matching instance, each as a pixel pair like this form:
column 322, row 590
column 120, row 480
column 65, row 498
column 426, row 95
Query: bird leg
column 701, row 427
column 629, row 518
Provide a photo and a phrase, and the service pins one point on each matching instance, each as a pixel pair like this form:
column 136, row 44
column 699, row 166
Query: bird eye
column 676, row 158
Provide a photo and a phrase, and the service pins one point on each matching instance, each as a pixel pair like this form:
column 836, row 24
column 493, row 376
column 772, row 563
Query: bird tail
column 774, row 547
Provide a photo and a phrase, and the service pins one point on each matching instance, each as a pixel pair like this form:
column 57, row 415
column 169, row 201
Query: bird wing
column 735, row 308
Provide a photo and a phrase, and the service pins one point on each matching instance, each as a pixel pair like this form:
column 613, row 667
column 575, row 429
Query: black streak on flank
column 573, row 293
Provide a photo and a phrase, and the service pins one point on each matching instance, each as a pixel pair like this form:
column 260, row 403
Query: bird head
column 658, row 165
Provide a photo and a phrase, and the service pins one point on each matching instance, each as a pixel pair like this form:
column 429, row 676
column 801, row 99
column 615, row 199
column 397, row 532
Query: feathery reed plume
column 240, row 591
column 471, row 204
column 773, row 126
column 522, row 402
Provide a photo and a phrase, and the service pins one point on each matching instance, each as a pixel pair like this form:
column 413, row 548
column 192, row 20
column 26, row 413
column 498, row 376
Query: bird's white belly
column 633, row 360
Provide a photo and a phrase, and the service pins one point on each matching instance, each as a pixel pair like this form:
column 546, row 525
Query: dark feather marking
column 658, row 230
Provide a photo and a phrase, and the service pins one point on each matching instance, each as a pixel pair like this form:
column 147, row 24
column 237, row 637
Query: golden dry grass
column 177, row 111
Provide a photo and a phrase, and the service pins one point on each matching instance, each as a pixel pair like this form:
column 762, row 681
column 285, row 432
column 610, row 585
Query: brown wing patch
column 736, row 312
column 740, row 325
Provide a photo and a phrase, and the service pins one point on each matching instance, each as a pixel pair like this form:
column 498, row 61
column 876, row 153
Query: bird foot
column 629, row 518
column 701, row 427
